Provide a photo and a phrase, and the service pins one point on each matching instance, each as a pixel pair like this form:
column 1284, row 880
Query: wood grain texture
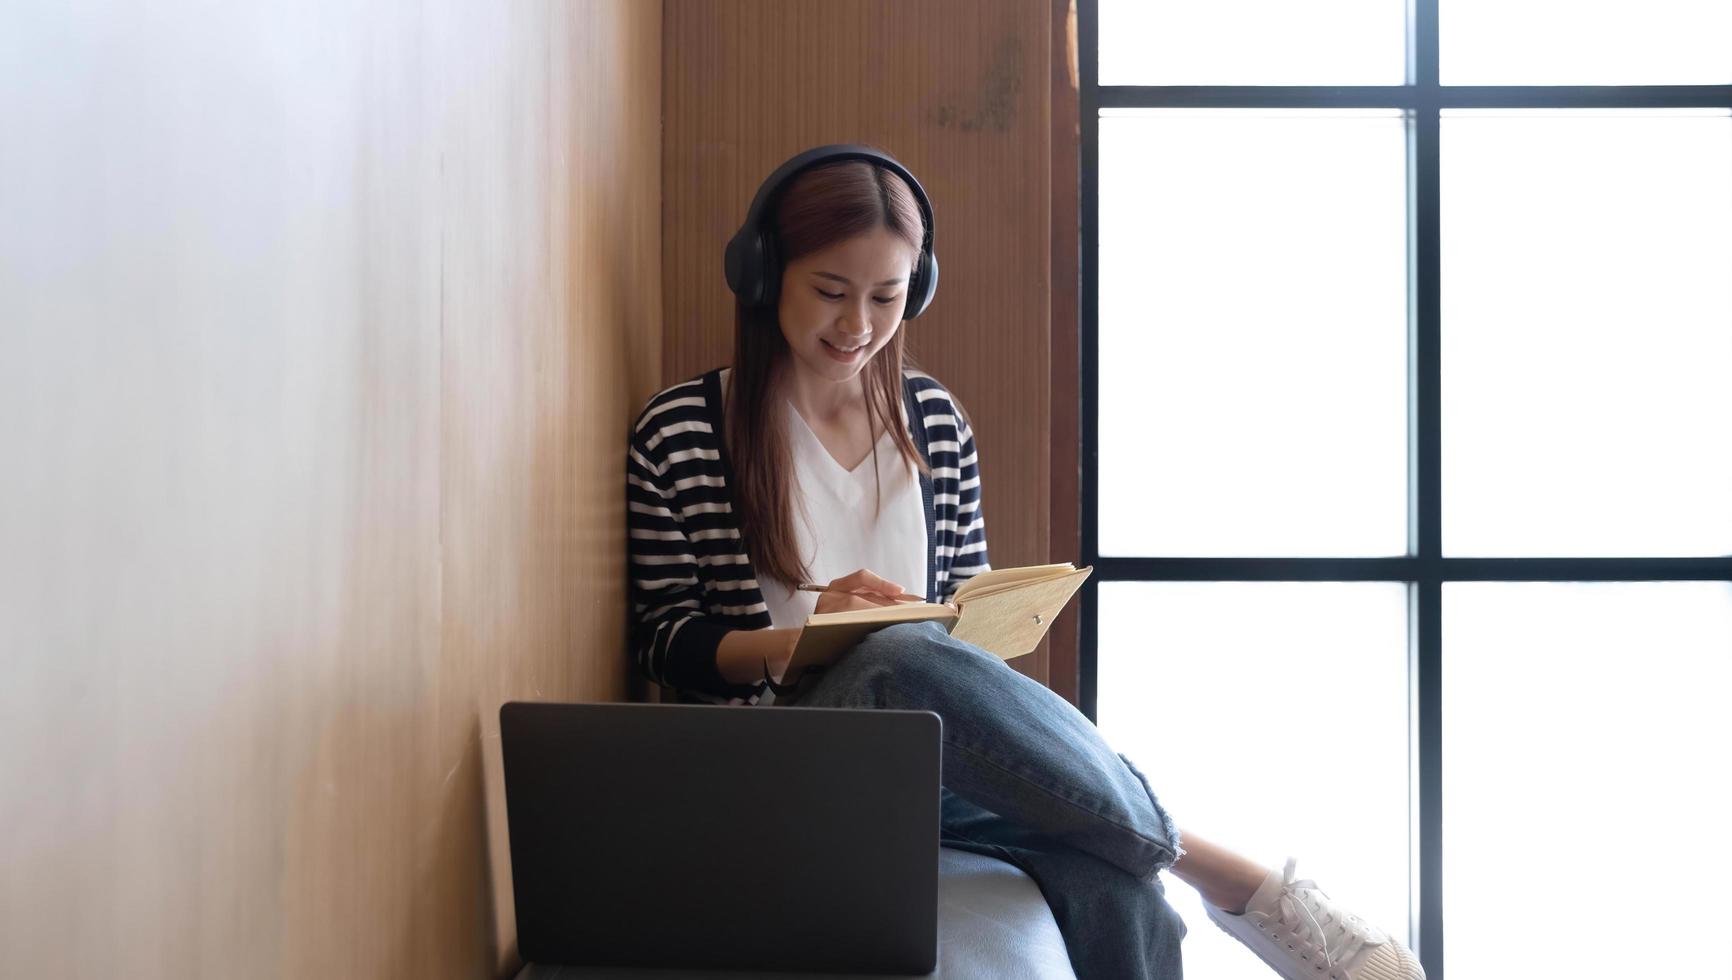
column 1066, row 530
column 957, row 90
column 321, row 328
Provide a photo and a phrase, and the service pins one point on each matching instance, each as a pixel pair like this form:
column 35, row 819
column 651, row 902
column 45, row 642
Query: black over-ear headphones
column 754, row 266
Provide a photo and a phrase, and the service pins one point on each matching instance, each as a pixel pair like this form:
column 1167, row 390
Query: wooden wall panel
column 321, row 328
column 956, row 89
column 1066, row 532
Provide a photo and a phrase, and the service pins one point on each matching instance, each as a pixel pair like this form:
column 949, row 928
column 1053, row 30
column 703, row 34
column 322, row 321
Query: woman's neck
column 822, row 400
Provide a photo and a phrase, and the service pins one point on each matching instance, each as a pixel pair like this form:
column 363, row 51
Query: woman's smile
column 841, row 351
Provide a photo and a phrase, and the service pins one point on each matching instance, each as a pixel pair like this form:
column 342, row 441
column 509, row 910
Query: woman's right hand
column 745, row 656
column 860, row 589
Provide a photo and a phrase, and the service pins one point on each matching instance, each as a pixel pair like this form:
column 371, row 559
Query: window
column 1406, row 331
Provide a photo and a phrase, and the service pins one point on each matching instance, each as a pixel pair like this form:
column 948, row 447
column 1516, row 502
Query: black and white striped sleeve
column 673, row 640
column 970, row 557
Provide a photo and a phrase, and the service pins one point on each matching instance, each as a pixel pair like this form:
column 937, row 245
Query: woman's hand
column 861, row 589
column 780, row 652
column 745, row 656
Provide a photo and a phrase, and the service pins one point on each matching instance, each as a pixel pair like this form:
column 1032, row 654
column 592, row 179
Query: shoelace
column 1297, row 907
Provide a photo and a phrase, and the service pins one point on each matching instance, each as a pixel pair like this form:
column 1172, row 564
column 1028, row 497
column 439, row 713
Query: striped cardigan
column 691, row 579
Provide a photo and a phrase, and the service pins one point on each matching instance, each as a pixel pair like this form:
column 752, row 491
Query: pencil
column 811, row 587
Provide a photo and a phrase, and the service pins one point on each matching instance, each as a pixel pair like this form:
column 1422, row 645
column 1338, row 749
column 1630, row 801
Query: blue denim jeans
column 1029, row 780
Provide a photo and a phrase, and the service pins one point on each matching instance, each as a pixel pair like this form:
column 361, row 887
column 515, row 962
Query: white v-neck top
column 843, row 524
column 692, row 577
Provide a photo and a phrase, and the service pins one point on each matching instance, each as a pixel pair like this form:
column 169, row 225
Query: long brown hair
column 823, row 206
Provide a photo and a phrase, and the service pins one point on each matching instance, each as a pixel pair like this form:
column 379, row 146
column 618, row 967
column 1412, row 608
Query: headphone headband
column 752, row 261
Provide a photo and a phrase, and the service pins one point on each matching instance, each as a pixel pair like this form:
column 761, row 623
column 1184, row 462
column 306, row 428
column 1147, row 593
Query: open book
column 1004, row 611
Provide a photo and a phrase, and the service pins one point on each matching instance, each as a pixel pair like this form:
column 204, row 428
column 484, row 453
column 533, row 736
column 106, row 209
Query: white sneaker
column 1303, row 935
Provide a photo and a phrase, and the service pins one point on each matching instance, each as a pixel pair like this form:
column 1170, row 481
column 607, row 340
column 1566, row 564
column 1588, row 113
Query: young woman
column 819, row 457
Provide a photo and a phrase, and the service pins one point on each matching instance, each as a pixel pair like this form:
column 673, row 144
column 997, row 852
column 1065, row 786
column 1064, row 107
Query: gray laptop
column 724, row 837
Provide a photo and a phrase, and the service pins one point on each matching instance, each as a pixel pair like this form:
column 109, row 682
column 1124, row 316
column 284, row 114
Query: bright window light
column 1270, row 717
column 1252, row 42
column 1584, row 42
column 1253, row 333
column 1587, row 333
column 1584, row 776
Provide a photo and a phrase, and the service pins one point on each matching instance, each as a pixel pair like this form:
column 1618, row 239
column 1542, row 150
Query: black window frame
column 1423, row 569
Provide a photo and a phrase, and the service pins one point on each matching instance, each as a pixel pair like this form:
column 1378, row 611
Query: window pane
column 1587, row 333
column 1253, row 333
column 1253, row 42
column 1585, row 745
column 1270, row 717
column 1569, row 42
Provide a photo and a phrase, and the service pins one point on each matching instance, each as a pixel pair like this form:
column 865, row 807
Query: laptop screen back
column 724, row 837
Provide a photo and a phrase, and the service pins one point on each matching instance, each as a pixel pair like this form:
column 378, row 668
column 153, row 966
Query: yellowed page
column 1011, row 622
column 975, row 595
column 998, row 578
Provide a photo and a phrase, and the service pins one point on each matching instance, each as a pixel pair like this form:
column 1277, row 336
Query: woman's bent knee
column 903, row 641
column 906, row 652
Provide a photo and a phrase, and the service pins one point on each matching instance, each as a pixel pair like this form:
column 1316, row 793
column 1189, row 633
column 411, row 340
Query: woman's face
column 841, row 305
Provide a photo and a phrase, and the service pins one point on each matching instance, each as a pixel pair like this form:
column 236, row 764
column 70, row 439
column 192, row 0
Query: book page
column 906, row 612
column 997, row 578
column 1011, row 622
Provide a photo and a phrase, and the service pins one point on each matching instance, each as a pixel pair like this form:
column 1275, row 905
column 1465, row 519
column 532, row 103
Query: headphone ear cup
column 749, row 263
column 739, row 265
column 923, row 286
column 769, row 273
